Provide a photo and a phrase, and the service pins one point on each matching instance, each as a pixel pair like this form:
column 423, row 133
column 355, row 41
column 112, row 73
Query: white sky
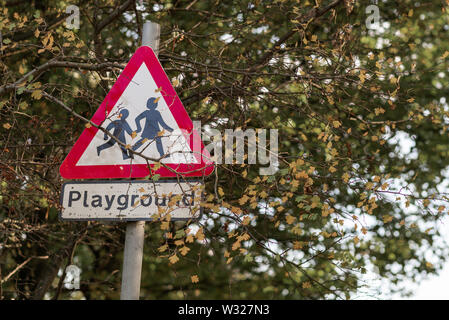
column 434, row 287
column 431, row 287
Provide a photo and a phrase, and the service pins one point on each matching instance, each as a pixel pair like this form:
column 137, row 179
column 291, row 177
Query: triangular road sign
column 144, row 113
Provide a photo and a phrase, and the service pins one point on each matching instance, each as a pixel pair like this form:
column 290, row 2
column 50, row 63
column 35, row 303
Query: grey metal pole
column 135, row 231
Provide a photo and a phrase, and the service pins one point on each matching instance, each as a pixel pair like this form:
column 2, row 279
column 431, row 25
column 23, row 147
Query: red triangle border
column 204, row 167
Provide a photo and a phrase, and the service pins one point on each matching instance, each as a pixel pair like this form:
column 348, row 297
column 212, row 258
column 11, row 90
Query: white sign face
column 136, row 119
column 131, row 200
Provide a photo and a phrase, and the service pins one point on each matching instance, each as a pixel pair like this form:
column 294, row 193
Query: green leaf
column 23, row 105
column 180, row 233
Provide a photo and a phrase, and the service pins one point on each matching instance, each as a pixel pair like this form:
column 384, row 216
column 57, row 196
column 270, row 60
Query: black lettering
column 96, row 201
column 133, row 197
column 164, row 202
column 188, row 202
column 145, row 197
column 85, row 200
column 71, row 198
column 109, row 201
column 123, row 204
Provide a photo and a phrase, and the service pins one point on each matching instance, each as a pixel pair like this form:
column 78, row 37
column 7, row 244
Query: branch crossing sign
column 141, row 113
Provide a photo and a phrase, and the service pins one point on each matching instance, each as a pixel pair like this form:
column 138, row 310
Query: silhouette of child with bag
column 120, row 126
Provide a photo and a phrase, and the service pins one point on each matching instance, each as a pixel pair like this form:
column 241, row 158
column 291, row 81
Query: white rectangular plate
column 131, row 200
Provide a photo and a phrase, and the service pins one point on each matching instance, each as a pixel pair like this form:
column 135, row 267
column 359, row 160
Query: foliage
column 348, row 198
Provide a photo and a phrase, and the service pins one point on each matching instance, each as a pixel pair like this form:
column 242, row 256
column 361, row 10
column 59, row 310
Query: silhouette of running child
column 120, row 126
column 153, row 119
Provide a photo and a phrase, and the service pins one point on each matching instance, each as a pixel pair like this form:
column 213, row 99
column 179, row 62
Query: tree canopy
column 361, row 116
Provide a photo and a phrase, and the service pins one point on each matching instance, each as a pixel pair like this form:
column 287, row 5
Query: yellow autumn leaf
column 306, row 285
column 243, row 200
column 199, row 234
column 246, row 221
column 236, row 245
column 378, row 111
column 173, row 259
column 184, row 250
column 297, row 245
column 156, row 166
column 179, row 242
column 189, row 238
column 165, row 225
column 362, row 77
column 290, row 219
column 36, row 94
column 336, row 123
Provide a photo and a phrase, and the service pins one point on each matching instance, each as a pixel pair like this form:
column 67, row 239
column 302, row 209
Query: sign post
column 135, row 231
